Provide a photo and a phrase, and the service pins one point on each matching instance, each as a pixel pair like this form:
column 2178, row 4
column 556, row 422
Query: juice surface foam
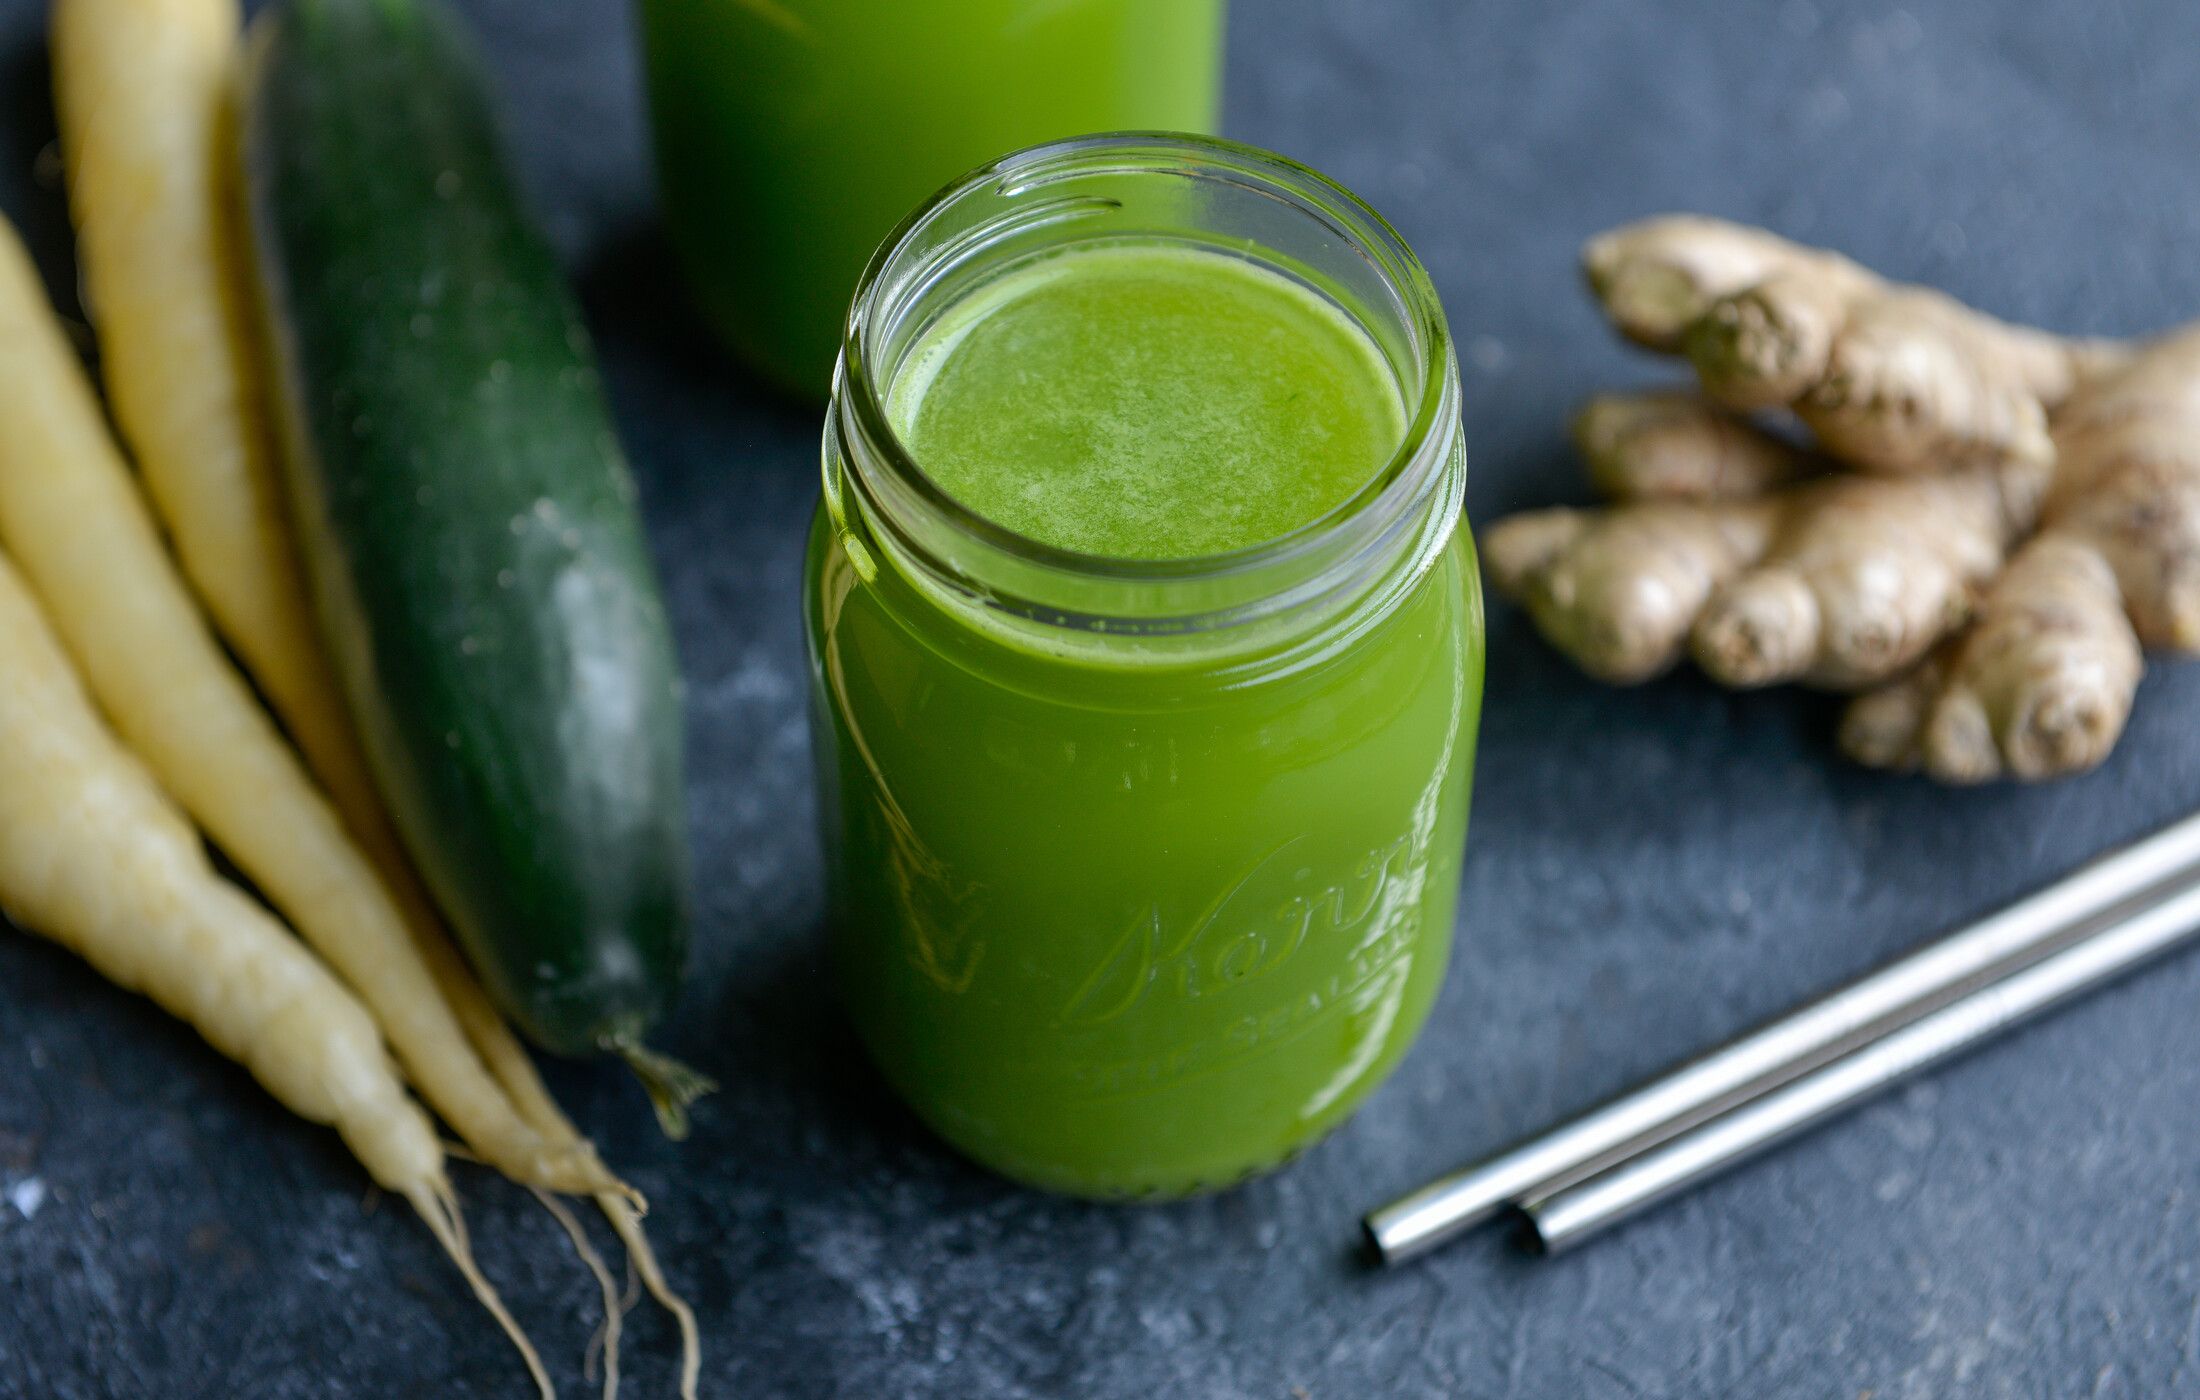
column 1148, row 401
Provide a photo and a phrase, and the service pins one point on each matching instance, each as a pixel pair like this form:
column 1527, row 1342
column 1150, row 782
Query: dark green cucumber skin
column 466, row 518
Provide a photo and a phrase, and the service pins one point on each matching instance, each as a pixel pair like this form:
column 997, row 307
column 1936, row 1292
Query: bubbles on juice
column 1146, row 400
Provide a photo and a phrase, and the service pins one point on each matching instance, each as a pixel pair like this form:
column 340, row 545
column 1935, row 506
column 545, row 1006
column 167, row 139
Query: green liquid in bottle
column 792, row 135
column 1120, row 925
column 1148, row 401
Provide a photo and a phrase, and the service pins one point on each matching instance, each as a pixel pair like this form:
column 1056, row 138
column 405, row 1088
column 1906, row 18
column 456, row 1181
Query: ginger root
column 1863, row 578
column 2040, row 686
column 1618, row 590
column 1672, row 445
column 1838, row 582
column 2043, row 682
column 1892, row 379
column 2021, row 517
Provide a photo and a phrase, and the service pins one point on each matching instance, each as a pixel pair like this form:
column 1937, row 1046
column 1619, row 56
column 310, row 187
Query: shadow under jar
column 1147, row 660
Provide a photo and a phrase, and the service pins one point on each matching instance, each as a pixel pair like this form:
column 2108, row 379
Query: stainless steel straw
column 1577, row 1212
column 1784, row 1049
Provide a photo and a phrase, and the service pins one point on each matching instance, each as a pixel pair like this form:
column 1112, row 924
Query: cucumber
column 467, row 520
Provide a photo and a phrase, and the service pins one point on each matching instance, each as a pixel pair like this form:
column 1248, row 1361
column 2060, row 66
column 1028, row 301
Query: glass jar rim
column 860, row 394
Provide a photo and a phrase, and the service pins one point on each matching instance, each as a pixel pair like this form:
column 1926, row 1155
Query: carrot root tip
column 642, row 1258
column 605, row 1340
column 438, row 1206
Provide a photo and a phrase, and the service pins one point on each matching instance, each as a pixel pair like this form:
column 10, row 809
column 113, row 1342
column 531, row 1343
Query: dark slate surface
column 1648, row 871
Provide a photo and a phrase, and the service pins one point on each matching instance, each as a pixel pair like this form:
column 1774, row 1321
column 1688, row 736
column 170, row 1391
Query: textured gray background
column 1648, row 870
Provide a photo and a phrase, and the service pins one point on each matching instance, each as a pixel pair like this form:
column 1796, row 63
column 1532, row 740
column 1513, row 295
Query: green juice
column 1145, row 402
column 792, row 135
column 1128, row 917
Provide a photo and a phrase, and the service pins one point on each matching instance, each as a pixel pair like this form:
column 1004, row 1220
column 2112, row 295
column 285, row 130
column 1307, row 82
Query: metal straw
column 1574, row 1214
column 1784, row 1049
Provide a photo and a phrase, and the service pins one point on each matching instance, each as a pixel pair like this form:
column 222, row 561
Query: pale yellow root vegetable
column 1675, row 445
column 1656, row 277
column 508, row 1061
column 144, row 92
column 515, row 1070
column 2028, row 520
column 1864, row 576
column 143, row 89
column 2129, row 485
column 2042, row 684
column 614, row 1314
column 1899, row 381
column 1840, row 581
column 627, row 1223
column 1880, row 728
column 1618, row 589
column 72, row 518
column 1891, row 378
column 93, row 856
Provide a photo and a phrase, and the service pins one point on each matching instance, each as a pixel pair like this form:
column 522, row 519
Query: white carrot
column 509, row 1062
column 75, row 524
column 515, row 1071
column 144, row 90
column 145, row 95
column 93, row 856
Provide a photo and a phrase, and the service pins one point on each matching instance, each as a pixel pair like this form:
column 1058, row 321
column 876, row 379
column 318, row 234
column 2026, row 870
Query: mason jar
column 1142, row 872
column 791, row 134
